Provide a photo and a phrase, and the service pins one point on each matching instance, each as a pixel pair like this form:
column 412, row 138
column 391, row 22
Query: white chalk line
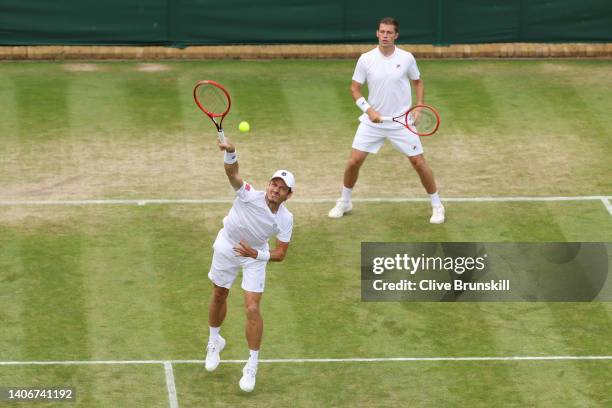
column 165, row 201
column 170, row 385
column 168, row 363
column 146, row 201
column 607, row 204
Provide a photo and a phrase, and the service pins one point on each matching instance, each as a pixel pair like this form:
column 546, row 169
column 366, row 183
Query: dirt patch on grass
column 186, row 167
column 82, row 67
column 149, row 67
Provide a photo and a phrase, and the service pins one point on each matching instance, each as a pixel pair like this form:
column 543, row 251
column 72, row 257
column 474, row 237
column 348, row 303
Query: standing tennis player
column 388, row 71
column 242, row 243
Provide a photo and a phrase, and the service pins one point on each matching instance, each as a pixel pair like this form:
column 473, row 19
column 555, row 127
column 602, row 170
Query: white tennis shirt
column 251, row 220
column 388, row 80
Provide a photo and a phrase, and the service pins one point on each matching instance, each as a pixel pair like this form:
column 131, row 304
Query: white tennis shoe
column 438, row 214
column 247, row 382
column 340, row 209
column 213, row 353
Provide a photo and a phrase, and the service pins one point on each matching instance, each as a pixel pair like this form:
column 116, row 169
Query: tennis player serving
column 388, row 71
column 242, row 244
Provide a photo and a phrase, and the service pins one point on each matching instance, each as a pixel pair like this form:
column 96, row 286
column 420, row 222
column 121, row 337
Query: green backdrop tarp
column 192, row 22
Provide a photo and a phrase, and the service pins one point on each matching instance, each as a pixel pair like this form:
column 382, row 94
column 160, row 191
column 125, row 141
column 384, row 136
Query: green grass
column 122, row 282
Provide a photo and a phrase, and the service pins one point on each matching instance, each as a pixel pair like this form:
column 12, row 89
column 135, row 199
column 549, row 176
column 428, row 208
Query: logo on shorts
column 413, row 147
column 397, row 66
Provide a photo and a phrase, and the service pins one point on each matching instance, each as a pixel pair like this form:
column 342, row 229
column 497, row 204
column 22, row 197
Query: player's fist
column 227, row 145
column 374, row 116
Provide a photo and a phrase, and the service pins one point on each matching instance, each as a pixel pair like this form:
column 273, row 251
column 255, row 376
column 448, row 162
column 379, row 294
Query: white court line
column 604, row 199
column 607, row 204
column 171, row 385
column 167, row 363
column 145, row 201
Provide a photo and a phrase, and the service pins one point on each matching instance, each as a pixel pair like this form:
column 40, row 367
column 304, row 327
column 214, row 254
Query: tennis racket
column 214, row 100
column 422, row 120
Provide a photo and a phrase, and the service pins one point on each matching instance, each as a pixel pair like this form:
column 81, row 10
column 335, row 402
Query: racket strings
column 424, row 122
column 212, row 99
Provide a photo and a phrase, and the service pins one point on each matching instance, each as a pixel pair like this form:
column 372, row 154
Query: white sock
column 346, row 194
column 214, row 332
column 254, row 355
column 435, row 199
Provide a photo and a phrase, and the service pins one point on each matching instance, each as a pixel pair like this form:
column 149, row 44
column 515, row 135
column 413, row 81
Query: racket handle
column 386, row 119
column 221, row 136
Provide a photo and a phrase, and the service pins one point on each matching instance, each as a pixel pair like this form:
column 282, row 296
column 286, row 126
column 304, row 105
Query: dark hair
column 389, row 21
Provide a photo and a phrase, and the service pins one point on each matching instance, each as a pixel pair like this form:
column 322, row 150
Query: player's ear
column 289, row 195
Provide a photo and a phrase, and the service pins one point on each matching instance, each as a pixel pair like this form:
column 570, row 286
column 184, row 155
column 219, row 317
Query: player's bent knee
column 355, row 162
column 252, row 311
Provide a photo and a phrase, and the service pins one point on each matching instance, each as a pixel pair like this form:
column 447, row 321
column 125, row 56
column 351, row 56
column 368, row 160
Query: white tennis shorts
column 370, row 139
column 226, row 265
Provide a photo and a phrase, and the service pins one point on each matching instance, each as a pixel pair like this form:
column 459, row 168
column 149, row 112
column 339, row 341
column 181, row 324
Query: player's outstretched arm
column 275, row 255
column 231, row 163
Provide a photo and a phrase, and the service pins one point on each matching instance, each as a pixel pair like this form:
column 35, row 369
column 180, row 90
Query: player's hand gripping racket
column 214, row 100
column 422, row 120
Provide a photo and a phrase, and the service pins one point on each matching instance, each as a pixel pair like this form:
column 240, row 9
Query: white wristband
column 362, row 104
column 263, row 255
column 230, row 158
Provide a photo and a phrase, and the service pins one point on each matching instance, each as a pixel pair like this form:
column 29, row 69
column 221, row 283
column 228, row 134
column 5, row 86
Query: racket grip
column 386, row 119
column 221, row 136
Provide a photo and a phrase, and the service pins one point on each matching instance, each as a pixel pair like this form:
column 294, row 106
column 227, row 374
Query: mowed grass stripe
column 325, row 132
column 11, row 306
column 181, row 250
column 123, row 286
column 99, row 135
column 152, row 101
column 9, row 121
column 283, row 311
column 54, row 301
column 41, row 109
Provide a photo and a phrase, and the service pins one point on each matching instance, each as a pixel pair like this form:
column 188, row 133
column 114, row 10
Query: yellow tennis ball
column 244, row 126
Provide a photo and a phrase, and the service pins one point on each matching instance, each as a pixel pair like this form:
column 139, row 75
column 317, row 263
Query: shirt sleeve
column 413, row 70
column 246, row 192
column 360, row 71
column 286, row 229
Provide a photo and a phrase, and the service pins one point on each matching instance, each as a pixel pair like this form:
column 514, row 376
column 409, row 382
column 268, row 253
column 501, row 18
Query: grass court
column 115, row 281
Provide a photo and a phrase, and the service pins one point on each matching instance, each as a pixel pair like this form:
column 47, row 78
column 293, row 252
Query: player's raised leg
column 351, row 174
column 254, row 332
column 427, row 179
column 216, row 314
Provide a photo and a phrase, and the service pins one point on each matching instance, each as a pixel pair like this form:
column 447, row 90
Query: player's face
column 386, row 35
column 277, row 191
